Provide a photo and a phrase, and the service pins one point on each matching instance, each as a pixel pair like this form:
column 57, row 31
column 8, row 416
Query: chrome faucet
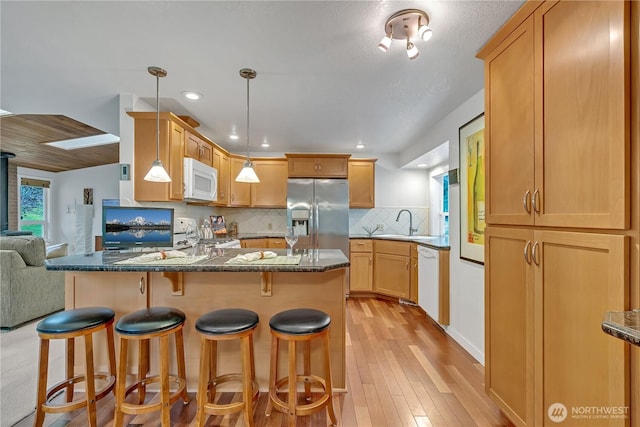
column 411, row 229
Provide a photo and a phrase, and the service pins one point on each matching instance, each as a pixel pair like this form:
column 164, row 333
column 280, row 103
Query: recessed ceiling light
column 360, row 145
column 89, row 141
column 194, row 96
column 265, row 144
column 422, row 165
column 233, row 137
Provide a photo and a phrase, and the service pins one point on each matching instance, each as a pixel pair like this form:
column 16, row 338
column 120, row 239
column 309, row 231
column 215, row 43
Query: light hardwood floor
column 402, row 369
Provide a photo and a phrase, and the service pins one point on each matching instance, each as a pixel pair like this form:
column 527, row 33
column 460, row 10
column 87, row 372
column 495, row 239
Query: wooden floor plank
column 402, row 370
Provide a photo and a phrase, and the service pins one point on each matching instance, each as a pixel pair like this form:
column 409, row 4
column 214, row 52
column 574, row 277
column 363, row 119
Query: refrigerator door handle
column 317, row 224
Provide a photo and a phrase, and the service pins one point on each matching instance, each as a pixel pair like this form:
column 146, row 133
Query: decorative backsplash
column 275, row 220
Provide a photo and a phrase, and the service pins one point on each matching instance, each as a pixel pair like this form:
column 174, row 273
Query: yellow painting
column 475, row 187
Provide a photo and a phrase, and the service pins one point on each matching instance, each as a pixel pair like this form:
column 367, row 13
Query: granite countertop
column 213, row 260
column 624, row 325
column 435, row 242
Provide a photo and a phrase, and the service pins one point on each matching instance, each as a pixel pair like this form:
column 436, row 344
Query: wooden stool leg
column 69, row 370
column 121, row 383
column 213, row 369
column 89, row 380
column 205, row 375
column 247, row 381
column 164, row 382
column 327, row 375
column 306, row 346
column 42, row 381
column 112, row 351
column 273, row 372
column 143, row 368
column 182, row 370
column 293, row 400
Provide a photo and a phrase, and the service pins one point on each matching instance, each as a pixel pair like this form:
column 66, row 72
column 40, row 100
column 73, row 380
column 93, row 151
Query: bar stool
column 223, row 325
column 68, row 325
column 300, row 325
column 142, row 326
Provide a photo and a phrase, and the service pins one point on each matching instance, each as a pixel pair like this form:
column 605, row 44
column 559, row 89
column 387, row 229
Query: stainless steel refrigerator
column 319, row 210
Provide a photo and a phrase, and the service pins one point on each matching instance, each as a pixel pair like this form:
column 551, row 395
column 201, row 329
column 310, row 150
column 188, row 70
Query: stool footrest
column 52, row 392
column 131, row 408
column 301, row 410
column 228, row 408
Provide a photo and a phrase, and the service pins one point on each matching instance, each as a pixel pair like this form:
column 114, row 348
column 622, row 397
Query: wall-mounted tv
column 125, row 227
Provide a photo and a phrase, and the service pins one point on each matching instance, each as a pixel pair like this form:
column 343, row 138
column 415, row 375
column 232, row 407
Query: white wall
column 466, row 278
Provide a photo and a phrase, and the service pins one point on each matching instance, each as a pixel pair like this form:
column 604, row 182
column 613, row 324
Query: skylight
column 88, row 141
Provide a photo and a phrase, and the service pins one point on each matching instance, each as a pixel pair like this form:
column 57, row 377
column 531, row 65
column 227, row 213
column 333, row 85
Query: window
column 444, row 207
column 34, row 206
column 439, row 201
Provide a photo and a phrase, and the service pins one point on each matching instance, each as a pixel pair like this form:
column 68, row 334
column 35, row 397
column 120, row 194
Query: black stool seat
column 300, row 321
column 149, row 320
column 227, row 321
column 75, row 320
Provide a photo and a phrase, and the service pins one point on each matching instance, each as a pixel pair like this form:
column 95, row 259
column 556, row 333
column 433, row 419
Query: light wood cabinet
column 221, row 164
column 271, row 192
column 268, row 242
column 362, row 191
column 391, row 272
column 170, row 153
column 545, row 295
column 239, row 192
column 318, row 165
column 552, row 117
column 197, row 148
column 558, row 154
column 361, row 268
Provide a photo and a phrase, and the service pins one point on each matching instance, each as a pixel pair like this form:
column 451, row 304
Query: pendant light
column 247, row 174
column 157, row 173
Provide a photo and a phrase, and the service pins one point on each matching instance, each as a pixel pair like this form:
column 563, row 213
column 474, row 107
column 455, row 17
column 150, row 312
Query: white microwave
column 200, row 181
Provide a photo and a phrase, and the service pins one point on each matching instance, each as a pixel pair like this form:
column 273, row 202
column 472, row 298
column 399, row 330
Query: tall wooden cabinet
column 558, row 208
column 362, row 183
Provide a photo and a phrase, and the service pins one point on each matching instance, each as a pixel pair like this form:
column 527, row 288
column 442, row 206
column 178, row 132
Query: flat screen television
column 125, row 227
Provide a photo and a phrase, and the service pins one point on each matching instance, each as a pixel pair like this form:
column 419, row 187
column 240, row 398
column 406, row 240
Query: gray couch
column 27, row 289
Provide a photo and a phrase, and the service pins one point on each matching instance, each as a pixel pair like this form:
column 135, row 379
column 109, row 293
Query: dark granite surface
column 624, row 325
column 434, row 242
column 311, row 261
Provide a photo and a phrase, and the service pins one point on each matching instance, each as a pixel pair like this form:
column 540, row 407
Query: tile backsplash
column 275, row 220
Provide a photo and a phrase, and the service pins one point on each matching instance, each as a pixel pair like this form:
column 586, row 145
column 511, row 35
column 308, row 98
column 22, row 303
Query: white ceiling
column 322, row 84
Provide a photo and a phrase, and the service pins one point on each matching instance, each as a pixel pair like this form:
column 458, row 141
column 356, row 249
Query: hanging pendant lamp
column 157, row 173
column 247, row 174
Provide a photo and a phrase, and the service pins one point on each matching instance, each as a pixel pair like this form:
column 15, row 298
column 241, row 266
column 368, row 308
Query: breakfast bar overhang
column 318, row 281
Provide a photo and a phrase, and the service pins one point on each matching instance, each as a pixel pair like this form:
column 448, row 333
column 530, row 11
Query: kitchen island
column 317, row 281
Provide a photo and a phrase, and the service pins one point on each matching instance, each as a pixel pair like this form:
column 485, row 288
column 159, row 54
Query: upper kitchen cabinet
column 197, row 148
column 239, row 192
column 557, row 104
column 170, row 153
column 362, row 190
column 318, row 165
column 221, row 164
column 271, row 192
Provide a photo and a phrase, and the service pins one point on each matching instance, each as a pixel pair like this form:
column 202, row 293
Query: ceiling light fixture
column 194, row 96
column 157, row 173
column 406, row 24
column 234, row 137
column 247, row 174
column 360, row 145
column 265, row 144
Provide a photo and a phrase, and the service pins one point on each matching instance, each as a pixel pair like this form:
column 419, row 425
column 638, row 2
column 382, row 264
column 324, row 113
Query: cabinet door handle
column 141, row 286
column 527, row 252
column 534, row 254
column 534, row 201
column 526, row 201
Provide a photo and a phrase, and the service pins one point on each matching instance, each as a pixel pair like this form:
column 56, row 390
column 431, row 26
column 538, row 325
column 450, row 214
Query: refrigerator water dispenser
column 300, row 221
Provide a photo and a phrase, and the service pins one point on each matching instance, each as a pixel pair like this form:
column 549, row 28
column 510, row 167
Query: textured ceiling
column 322, row 84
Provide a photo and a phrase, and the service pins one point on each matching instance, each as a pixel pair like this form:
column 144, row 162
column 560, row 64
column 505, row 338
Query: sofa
column 27, row 289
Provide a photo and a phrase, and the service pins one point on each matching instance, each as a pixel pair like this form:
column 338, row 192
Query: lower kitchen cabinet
column 270, row 242
column 361, row 268
column 391, row 272
column 545, row 295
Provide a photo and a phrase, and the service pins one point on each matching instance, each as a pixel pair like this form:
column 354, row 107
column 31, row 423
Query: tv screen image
column 131, row 226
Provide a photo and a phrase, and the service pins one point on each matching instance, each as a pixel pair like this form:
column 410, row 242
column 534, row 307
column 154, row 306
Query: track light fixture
column 406, row 24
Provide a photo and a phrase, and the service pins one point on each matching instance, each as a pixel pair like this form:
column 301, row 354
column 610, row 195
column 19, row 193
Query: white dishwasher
column 428, row 281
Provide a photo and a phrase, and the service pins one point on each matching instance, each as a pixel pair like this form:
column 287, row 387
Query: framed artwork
column 218, row 224
column 472, row 221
